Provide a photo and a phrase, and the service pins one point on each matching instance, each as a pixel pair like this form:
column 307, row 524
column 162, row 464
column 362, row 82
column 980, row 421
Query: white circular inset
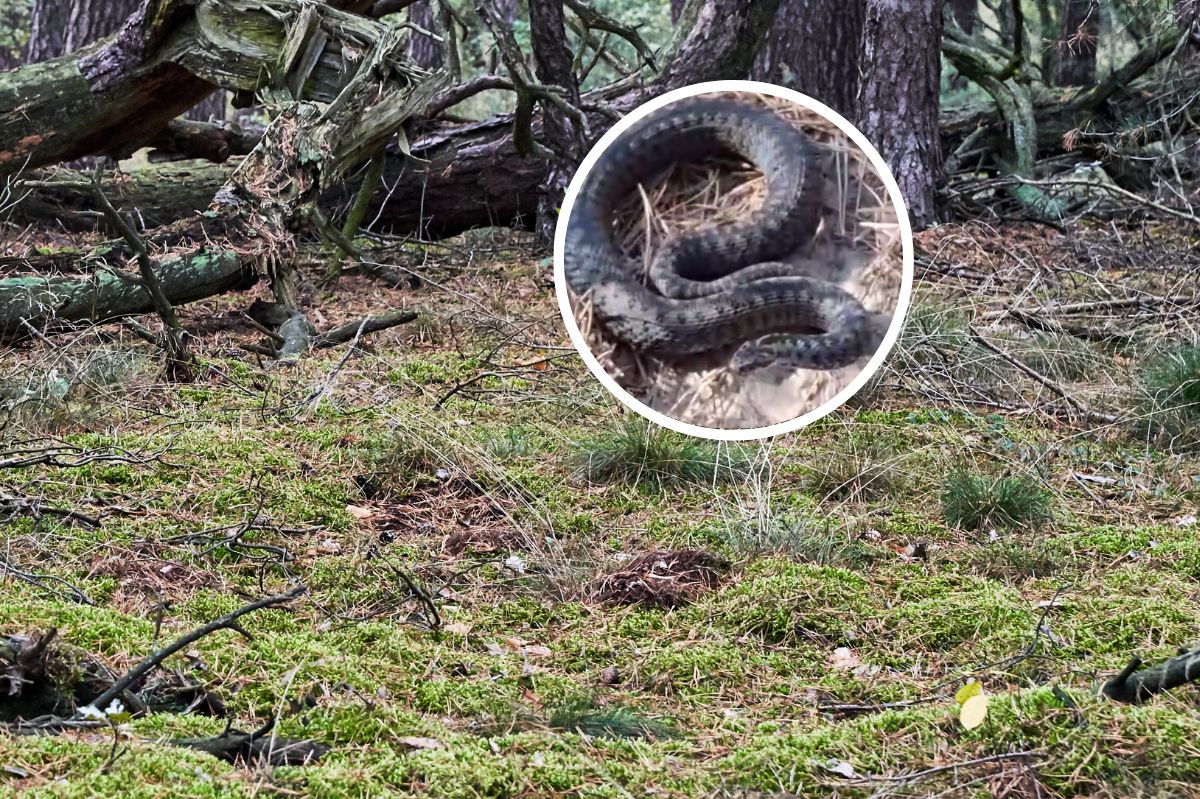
column 906, row 240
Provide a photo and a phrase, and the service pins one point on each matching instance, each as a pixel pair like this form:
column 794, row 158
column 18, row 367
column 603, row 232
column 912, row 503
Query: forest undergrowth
column 516, row 588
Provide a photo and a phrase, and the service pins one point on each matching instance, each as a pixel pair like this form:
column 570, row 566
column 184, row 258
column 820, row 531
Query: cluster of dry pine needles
column 859, row 238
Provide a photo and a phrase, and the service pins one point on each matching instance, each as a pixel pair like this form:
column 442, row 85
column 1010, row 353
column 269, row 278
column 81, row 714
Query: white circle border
column 795, row 423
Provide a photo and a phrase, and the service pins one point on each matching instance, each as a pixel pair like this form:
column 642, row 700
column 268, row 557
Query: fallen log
column 48, row 302
column 117, row 94
column 249, row 227
column 475, row 177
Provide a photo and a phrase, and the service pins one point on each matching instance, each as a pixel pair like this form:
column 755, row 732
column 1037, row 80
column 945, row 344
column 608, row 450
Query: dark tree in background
column 47, row 30
column 813, row 46
column 676, row 9
column 898, row 98
column 1187, row 16
column 965, row 13
column 1077, row 45
column 425, row 51
column 553, row 65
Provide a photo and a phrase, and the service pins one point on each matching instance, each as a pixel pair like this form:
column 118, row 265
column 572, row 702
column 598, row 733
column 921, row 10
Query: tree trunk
column 47, row 34
column 965, row 13
column 211, row 108
column 63, row 27
column 813, row 46
column 115, row 95
column 1187, row 17
column 898, row 97
column 254, row 215
column 676, row 9
column 425, row 51
column 475, row 177
column 1077, row 45
column 715, row 40
column 553, row 67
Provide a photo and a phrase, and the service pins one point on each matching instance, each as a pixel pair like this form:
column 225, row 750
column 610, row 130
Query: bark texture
column 553, row 66
column 965, row 13
column 813, row 46
column 64, row 26
column 898, row 97
column 715, row 40
column 1076, row 64
column 211, row 108
column 46, row 302
column 425, row 51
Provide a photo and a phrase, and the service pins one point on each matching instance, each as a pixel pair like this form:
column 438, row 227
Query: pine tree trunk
column 64, row 26
column 211, row 108
column 425, row 51
column 552, row 65
column 813, row 46
column 898, row 97
column 965, row 13
column 1077, row 45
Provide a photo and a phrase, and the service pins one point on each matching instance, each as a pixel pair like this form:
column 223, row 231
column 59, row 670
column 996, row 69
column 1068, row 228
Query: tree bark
column 715, row 40
column 965, row 13
column 898, row 97
column 47, row 34
column 814, row 46
column 476, row 179
column 253, row 216
column 116, row 94
column 425, row 51
column 1077, row 45
column 211, row 108
column 64, row 26
column 553, row 67
column 50, row 302
column 676, row 9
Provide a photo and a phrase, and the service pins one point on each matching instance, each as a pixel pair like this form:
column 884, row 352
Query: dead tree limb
column 1135, row 687
column 227, row 622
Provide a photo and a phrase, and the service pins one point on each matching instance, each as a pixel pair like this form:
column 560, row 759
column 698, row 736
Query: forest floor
column 958, row 521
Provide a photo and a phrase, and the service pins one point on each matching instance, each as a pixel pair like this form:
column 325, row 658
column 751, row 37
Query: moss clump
column 785, row 601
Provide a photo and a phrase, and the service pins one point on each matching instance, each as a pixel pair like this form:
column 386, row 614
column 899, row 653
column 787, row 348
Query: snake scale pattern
column 724, row 286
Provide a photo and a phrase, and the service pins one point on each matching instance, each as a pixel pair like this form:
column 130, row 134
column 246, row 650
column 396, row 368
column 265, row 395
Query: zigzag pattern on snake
column 720, row 287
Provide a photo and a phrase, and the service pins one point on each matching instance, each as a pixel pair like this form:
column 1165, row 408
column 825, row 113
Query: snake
column 723, row 286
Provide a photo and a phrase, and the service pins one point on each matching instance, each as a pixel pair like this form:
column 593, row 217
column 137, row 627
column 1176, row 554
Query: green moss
column 803, row 600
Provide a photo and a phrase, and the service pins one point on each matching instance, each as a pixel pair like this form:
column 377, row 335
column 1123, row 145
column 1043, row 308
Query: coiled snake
column 721, row 287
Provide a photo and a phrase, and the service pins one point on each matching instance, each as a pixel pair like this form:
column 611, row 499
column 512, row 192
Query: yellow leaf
column 967, row 691
column 974, row 711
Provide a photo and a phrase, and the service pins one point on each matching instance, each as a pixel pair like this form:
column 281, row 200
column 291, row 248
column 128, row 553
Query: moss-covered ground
column 825, row 663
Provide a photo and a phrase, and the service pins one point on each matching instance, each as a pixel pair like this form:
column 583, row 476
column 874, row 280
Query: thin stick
column 228, row 622
column 1077, row 404
column 917, row 775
